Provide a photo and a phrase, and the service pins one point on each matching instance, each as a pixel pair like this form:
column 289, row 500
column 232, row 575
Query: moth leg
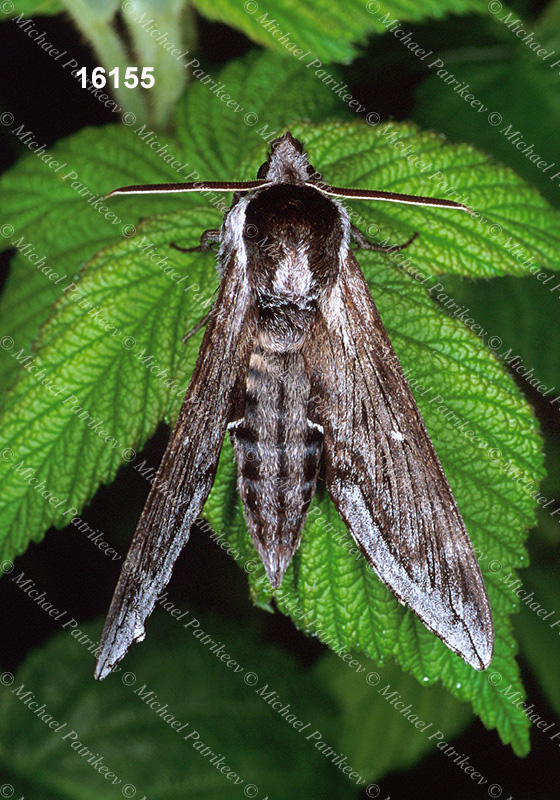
column 207, row 239
column 364, row 244
column 196, row 328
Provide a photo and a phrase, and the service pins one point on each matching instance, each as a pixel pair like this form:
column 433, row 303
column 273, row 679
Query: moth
column 295, row 363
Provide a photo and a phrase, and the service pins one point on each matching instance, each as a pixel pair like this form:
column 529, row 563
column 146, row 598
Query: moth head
column 287, row 162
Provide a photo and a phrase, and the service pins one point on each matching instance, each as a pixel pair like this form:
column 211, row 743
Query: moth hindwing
column 295, row 361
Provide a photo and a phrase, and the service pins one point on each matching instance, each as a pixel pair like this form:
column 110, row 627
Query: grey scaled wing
column 188, row 467
column 383, row 473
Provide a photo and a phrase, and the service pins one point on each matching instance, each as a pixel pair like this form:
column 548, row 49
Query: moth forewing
column 383, row 473
column 296, row 362
column 186, row 473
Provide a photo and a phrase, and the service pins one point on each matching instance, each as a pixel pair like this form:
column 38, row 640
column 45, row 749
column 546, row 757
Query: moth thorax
column 293, row 279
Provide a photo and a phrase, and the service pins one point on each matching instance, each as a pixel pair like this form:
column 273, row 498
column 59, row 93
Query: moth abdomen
column 277, row 451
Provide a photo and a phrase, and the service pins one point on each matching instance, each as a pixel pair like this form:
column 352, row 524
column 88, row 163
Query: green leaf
column 109, row 724
column 55, row 227
column 515, row 314
column 268, row 93
column 31, row 8
column 520, row 102
column 335, row 593
column 59, row 220
column 170, row 73
column 325, row 31
column 105, row 393
column 96, row 21
column 389, row 701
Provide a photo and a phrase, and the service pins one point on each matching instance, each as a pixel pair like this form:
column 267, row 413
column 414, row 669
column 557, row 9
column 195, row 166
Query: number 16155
column 131, row 78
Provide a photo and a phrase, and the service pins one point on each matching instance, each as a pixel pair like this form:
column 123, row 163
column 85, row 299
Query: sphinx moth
column 295, row 363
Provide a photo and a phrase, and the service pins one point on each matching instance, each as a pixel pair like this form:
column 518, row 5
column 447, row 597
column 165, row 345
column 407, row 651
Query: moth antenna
column 391, row 197
column 198, row 186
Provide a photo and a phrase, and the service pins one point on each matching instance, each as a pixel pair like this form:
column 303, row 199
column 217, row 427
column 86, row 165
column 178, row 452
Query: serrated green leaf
column 268, row 93
column 138, row 745
column 520, row 100
column 401, row 158
column 324, row 31
column 516, row 314
column 519, row 312
column 61, row 225
column 106, row 393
